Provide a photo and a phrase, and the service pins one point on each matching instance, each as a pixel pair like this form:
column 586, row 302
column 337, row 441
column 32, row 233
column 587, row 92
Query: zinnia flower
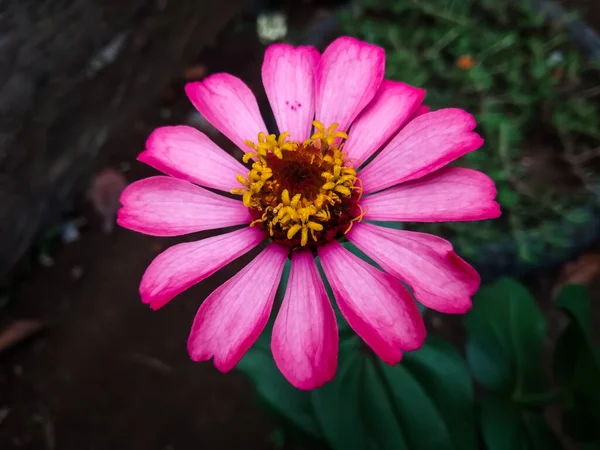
column 308, row 187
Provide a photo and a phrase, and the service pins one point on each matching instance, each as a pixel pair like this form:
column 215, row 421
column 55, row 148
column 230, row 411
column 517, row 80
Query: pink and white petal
column 229, row 105
column 288, row 75
column 188, row 154
column 305, row 335
column 233, row 316
column 375, row 304
column 165, row 206
column 431, row 269
column 393, row 105
column 180, row 267
column 349, row 75
column 450, row 194
column 427, row 143
column 444, row 248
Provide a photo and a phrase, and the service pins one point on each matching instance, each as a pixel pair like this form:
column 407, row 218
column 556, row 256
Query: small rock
column 45, row 260
column 76, row 272
column 70, row 232
column 105, row 192
column 4, row 412
column 165, row 113
column 555, row 58
column 197, row 120
column 271, row 27
column 436, row 322
column 19, row 331
column 195, row 73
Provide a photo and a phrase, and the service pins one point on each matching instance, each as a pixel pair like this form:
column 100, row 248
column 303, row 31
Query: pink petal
column 181, row 266
column 444, row 247
column 233, row 316
column 229, row 105
column 288, row 75
column 393, row 106
column 427, row 143
column 305, row 336
column 450, row 194
column 375, row 304
column 423, row 109
column 165, row 206
column 186, row 153
column 428, row 265
column 348, row 78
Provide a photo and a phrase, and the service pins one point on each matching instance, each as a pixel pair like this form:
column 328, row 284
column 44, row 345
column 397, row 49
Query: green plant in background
column 515, row 386
column 427, row 401
column 506, row 351
column 535, row 100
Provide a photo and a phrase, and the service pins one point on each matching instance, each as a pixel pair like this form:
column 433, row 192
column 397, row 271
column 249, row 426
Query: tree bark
column 72, row 72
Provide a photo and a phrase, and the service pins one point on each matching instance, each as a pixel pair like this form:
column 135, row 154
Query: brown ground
column 110, row 374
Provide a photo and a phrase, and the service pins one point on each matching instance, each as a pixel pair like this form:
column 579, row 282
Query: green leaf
column 539, row 433
column 423, row 403
column 575, row 339
column 338, row 405
column 577, row 367
column 500, row 425
column 291, row 404
column 573, row 299
column 505, row 427
column 445, row 378
column 505, row 338
column 579, row 423
column 423, row 424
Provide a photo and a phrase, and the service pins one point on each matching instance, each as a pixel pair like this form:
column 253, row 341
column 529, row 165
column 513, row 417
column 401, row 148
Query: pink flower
column 306, row 189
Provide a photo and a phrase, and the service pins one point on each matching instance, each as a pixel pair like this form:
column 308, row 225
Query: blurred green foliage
column 505, row 348
column 428, row 401
column 535, row 98
column 424, row 403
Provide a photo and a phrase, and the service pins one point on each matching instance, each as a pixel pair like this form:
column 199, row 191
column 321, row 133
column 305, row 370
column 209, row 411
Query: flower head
column 302, row 190
column 303, row 194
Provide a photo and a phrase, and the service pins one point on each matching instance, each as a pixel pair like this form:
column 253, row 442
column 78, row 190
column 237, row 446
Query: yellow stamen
column 304, row 239
column 247, row 199
column 287, row 212
column 285, row 197
column 315, row 226
column 359, row 218
column 293, row 230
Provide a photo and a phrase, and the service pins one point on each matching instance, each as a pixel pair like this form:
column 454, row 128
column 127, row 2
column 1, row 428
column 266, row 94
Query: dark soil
column 109, row 373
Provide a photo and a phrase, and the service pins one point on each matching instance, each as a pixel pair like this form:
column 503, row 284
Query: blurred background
column 83, row 364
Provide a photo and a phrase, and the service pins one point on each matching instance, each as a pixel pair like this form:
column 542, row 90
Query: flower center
column 302, row 194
